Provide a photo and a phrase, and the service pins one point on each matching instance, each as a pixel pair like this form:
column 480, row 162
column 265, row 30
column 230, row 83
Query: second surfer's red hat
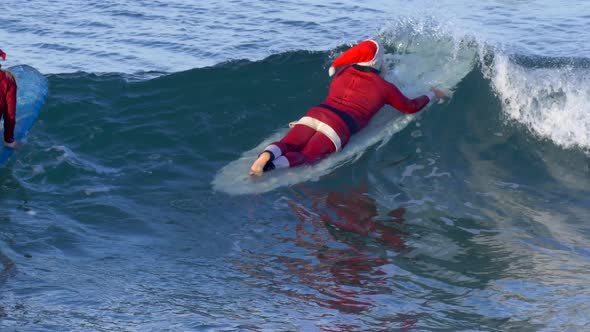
column 2, row 55
column 365, row 53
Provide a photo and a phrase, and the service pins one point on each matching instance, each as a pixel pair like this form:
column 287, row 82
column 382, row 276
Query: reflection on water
column 337, row 255
column 348, row 275
column 353, row 264
column 349, row 272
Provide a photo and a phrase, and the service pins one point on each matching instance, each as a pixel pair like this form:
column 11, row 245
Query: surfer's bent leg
column 273, row 155
column 295, row 140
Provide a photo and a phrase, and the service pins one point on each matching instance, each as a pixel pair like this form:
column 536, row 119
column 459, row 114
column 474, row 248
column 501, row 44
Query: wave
column 126, row 162
column 238, row 103
column 547, row 96
column 550, row 101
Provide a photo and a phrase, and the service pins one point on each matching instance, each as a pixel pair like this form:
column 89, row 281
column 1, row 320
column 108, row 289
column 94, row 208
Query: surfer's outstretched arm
column 439, row 94
column 404, row 104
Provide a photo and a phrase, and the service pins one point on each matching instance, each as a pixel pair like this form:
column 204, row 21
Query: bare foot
column 257, row 167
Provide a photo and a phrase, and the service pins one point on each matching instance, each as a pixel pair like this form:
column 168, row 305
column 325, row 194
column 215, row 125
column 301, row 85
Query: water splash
column 551, row 102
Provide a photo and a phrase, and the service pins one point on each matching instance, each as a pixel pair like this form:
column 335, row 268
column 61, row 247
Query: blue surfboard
column 31, row 92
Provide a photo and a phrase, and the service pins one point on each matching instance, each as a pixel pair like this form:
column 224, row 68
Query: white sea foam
column 551, row 102
column 69, row 157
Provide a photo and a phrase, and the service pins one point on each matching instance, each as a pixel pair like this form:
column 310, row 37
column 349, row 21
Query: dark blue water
column 471, row 216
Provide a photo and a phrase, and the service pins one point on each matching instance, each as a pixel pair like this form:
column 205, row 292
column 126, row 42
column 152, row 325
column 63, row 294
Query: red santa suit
column 356, row 94
column 7, row 102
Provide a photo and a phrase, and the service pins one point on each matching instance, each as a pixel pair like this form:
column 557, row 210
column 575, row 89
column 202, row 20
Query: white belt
column 322, row 128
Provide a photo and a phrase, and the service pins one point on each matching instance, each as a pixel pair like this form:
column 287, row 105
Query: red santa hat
column 2, row 55
column 366, row 53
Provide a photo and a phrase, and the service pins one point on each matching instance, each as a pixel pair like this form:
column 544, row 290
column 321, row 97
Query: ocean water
column 470, row 216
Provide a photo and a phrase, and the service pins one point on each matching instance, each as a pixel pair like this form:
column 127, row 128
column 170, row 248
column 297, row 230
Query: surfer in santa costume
column 356, row 94
column 7, row 103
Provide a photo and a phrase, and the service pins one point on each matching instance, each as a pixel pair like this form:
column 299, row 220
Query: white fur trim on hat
column 377, row 60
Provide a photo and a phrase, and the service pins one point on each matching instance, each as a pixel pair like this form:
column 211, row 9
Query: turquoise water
column 471, row 216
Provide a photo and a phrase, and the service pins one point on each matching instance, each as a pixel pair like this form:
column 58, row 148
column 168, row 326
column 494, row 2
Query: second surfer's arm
column 10, row 115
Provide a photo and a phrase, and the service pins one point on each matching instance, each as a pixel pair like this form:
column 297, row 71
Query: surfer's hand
column 440, row 94
column 11, row 145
